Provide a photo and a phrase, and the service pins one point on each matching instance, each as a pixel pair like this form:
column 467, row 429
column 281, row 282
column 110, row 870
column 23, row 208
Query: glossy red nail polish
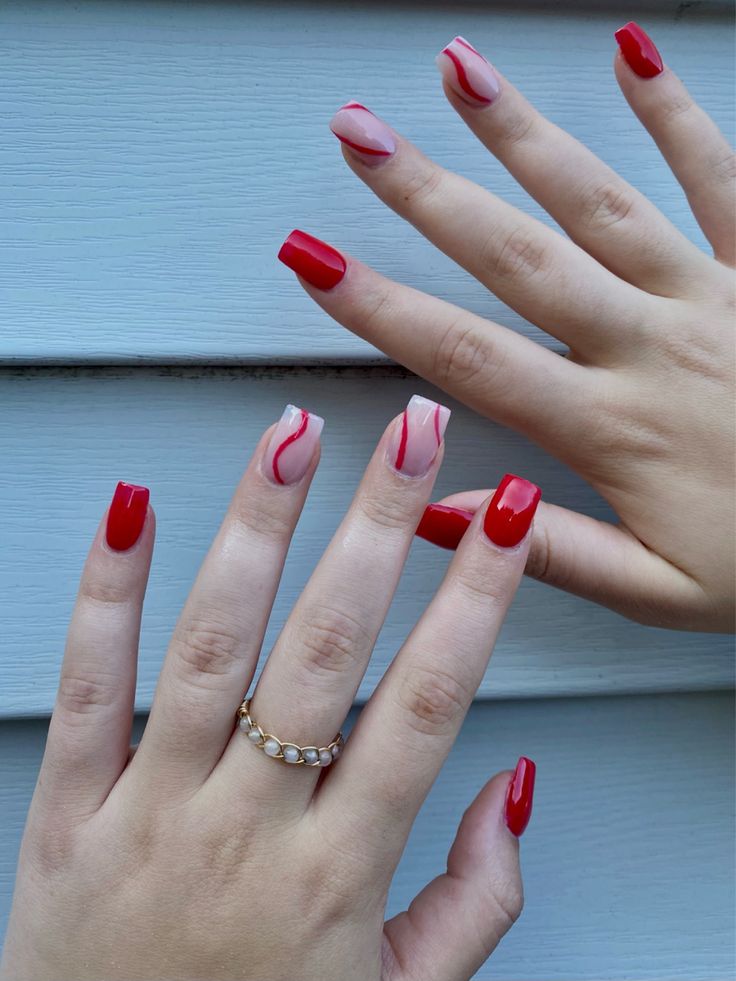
column 519, row 797
column 126, row 516
column 313, row 260
column 444, row 526
column 639, row 50
column 511, row 511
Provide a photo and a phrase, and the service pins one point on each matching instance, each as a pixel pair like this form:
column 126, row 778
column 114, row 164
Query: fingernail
column 444, row 526
column 639, row 51
column 468, row 73
column 520, row 796
column 313, row 260
column 366, row 135
column 126, row 516
column 418, row 436
column 292, row 445
column 511, row 511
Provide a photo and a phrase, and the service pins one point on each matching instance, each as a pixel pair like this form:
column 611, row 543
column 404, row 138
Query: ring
column 288, row 752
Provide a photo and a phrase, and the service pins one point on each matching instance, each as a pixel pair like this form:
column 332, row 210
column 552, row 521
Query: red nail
column 511, row 510
column 639, row 50
column 444, row 526
column 313, row 260
column 519, row 797
column 126, row 516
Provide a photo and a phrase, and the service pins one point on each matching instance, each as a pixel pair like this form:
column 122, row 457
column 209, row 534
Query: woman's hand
column 643, row 406
column 199, row 856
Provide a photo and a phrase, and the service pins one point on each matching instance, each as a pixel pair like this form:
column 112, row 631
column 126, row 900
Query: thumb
column 594, row 559
column 457, row 920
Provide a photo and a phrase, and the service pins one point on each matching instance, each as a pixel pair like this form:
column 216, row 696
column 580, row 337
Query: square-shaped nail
column 366, row 135
column 418, row 436
column 468, row 73
column 292, row 445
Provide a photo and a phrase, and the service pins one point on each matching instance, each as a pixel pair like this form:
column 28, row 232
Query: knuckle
column 205, row 648
column 433, row 700
column 509, row 902
column 520, row 257
column 723, row 167
column 331, row 640
column 480, row 587
column 675, row 106
column 378, row 311
column 424, row 185
column 518, row 128
column 80, row 696
column 603, row 205
column 254, row 518
column 104, row 592
column 463, row 357
column 388, row 511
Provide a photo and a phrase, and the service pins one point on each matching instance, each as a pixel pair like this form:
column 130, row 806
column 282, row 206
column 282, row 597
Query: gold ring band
column 288, row 752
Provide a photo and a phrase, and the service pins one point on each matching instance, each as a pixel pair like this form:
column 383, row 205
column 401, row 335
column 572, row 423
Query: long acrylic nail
column 366, row 135
column 126, row 516
column 443, row 525
column 313, row 260
column 292, row 445
column 639, row 51
column 468, row 73
column 510, row 513
column 418, row 436
column 520, row 797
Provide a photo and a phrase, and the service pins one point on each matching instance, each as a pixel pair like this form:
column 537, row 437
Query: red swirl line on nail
column 462, row 76
column 291, row 438
column 401, row 453
column 437, row 424
column 356, row 105
column 469, row 46
column 363, row 149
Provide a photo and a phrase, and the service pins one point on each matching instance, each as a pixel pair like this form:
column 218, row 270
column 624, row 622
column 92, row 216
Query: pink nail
column 468, row 73
column 292, row 445
column 418, row 436
column 364, row 133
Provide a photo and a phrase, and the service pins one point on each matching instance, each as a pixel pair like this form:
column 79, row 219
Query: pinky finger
column 89, row 736
column 691, row 143
column 458, row 919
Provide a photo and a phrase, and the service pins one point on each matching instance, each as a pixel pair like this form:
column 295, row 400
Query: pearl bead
column 311, row 755
column 336, row 750
column 291, row 754
column 325, row 757
column 271, row 747
column 243, row 724
column 254, row 735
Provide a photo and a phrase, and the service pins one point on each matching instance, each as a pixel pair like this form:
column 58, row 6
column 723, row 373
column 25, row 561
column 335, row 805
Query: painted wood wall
column 154, row 156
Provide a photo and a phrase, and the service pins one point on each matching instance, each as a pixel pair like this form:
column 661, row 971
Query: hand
column 642, row 407
column 197, row 855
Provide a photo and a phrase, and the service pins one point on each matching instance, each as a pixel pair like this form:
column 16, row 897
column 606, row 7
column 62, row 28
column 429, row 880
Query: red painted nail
column 444, row 526
column 519, row 797
column 313, row 260
column 639, row 50
column 126, row 516
column 511, row 510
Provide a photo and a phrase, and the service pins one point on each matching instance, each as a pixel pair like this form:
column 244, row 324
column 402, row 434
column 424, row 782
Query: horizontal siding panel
column 155, row 154
column 629, row 858
column 66, row 436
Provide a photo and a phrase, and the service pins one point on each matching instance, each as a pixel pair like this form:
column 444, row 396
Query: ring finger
column 311, row 676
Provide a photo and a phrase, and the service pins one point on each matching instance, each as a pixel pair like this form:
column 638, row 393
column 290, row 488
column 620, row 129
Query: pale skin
column 643, row 405
column 196, row 855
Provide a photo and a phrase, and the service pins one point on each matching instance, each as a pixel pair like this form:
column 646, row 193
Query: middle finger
column 545, row 277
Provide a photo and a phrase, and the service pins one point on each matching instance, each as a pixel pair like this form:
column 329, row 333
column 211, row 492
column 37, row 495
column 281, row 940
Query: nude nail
column 292, row 445
column 468, row 73
column 418, row 436
column 364, row 133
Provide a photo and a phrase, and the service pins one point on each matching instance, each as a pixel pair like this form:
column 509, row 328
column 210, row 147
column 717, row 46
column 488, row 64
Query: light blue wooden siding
column 153, row 157
column 628, row 861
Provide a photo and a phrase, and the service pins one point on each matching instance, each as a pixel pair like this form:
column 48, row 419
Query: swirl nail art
column 418, row 436
column 292, row 445
column 468, row 73
column 365, row 134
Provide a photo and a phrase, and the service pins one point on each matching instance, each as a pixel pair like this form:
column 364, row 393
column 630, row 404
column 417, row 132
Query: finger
column 600, row 211
column 411, row 720
column 493, row 370
column 215, row 646
column 89, row 734
column 528, row 265
column 458, row 919
column 582, row 555
column 691, row 143
column 310, row 678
